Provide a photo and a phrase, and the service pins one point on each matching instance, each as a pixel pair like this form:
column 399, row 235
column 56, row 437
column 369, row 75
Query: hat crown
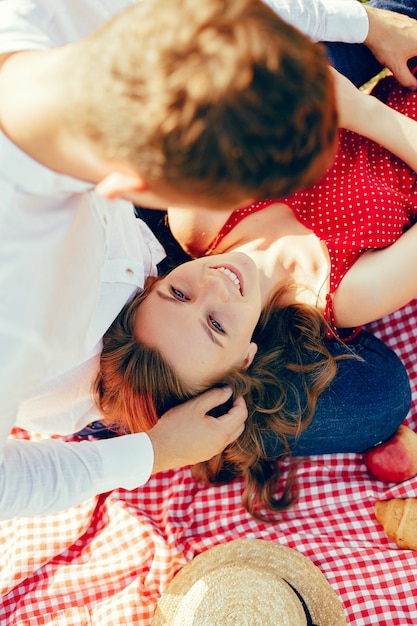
column 216, row 598
column 249, row 582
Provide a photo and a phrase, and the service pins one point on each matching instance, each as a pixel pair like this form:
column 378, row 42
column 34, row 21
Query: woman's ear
column 253, row 349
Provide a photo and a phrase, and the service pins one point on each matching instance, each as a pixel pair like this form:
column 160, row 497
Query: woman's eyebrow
column 211, row 334
column 167, row 296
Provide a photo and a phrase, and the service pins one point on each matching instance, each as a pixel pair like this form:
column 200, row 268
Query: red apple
column 394, row 460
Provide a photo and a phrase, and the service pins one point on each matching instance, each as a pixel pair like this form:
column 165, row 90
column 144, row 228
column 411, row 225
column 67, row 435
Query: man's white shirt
column 69, row 261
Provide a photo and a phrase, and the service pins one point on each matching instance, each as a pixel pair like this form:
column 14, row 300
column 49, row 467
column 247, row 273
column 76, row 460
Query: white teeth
column 230, row 275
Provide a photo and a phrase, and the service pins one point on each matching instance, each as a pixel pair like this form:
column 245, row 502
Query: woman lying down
column 273, row 307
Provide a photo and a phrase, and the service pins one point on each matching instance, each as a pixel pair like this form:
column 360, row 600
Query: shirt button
column 129, row 271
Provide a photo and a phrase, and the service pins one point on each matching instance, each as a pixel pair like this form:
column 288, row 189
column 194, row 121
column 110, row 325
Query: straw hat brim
column 245, row 582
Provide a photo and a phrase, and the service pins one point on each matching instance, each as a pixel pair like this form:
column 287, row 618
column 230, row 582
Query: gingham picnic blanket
column 106, row 562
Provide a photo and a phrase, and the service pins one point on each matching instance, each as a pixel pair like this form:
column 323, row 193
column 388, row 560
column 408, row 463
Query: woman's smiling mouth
column 232, row 275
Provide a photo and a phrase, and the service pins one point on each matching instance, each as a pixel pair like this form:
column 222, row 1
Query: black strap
column 303, row 604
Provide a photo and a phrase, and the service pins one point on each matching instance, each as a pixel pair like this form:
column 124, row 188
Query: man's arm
column 389, row 35
column 50, row 475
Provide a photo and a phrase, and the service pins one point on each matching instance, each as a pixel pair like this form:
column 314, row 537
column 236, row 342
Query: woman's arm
column 368, row 116
column 380, row 282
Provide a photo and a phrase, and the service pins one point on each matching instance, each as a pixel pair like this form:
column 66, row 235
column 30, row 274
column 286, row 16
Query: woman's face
column 202, row 315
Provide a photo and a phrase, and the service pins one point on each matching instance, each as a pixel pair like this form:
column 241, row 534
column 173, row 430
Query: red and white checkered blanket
column 106, row 562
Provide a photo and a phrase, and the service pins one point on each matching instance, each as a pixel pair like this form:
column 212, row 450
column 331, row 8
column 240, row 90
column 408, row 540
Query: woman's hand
column 186, row 435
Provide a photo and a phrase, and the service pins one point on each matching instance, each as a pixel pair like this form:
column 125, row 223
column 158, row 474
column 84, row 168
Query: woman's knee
column 365, row 403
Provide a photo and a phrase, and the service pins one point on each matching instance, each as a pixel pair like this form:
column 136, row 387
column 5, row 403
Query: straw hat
column 249, row 582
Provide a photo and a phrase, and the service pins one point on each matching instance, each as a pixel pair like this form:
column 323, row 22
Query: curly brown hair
column 135, row 386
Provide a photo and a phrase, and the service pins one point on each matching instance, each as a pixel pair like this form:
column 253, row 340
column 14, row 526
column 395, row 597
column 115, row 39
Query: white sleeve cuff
column 345, row 21
column 325, row 20
column 127, row 461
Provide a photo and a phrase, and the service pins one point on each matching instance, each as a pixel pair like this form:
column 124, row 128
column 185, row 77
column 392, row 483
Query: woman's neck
column 273, row 274
column 286, row 253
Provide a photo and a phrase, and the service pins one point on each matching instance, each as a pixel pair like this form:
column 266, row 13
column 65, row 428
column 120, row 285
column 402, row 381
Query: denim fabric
column 356, row 61
column 366, row 402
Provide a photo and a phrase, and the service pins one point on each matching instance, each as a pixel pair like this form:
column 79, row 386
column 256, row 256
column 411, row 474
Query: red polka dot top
column 365, row 201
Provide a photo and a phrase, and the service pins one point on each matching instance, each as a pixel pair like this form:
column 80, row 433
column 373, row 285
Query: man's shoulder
column 38, row 24
column 21, row 174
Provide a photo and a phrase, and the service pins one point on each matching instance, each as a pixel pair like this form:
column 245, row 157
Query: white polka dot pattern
column 365, row 201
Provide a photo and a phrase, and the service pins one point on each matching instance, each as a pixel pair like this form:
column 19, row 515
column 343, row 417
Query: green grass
column 367, row 86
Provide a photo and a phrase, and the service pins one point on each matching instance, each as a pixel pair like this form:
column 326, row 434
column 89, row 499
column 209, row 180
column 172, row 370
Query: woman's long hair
column 292, row 366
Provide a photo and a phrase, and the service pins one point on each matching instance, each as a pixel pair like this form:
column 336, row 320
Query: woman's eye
column 178, row 294
column 218, row 327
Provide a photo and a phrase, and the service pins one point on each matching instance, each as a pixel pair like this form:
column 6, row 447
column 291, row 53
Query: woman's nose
column 215, row 287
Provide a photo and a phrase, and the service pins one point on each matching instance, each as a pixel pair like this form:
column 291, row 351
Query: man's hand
column 392, row 38
column 186, row 435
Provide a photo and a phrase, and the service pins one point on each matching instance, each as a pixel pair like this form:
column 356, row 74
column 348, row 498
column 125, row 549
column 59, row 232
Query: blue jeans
column 356, row 61
column 366, row 402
